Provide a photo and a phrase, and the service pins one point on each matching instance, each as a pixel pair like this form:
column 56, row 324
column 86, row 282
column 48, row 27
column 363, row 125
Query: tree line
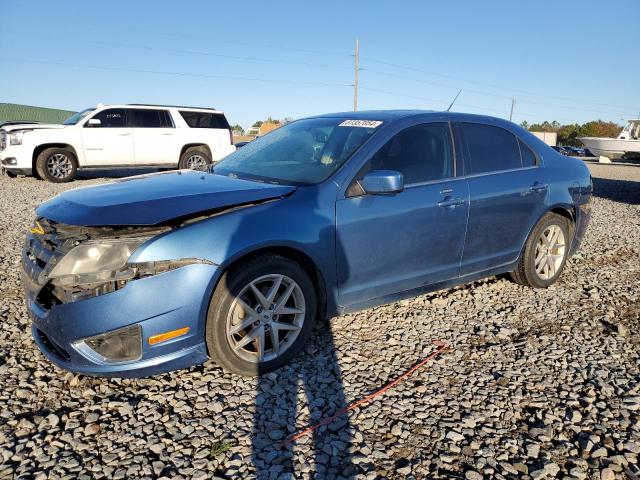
column 568, row 134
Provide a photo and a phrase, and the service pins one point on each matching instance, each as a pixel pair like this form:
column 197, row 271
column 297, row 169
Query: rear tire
column 195, row 158
column 243, row 328
column 57, row 165
column 545, row 253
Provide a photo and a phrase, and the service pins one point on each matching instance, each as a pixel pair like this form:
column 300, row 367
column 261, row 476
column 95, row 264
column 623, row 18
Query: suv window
column 491, row 149
column 146, row 118
column 204, row 119
column 111, row 118
column 422, row 153
column 528, row 157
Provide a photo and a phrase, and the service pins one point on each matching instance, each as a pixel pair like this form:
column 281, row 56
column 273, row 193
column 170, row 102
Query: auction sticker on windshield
column 361, row 123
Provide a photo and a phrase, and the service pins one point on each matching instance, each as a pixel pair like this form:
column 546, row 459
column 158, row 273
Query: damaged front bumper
column 174, row 298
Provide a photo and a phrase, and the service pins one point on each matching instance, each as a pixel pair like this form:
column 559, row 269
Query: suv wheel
column 545, row 253
column 260, row 315
column 57, row 165
column 195, row 158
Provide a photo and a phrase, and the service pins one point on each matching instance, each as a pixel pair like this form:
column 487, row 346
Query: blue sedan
column 325, row 215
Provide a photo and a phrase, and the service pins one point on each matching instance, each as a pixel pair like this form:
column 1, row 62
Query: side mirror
column 94, row 122
column 380, row 182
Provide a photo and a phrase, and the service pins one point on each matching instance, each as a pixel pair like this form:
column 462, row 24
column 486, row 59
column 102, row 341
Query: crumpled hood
column 155, row 198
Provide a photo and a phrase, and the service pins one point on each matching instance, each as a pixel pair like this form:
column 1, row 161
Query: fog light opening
column 122, row 345
column 166, row 336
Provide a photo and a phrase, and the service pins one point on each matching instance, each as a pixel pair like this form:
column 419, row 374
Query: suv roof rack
column 171, row 106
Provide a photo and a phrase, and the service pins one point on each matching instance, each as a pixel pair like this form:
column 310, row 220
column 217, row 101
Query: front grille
column 52, row 347
column 3, row 140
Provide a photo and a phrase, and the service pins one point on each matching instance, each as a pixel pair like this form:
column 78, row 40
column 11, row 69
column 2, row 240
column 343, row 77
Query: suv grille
column 3, row 140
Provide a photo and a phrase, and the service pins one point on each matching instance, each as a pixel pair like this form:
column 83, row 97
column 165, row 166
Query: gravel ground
column 538, row 383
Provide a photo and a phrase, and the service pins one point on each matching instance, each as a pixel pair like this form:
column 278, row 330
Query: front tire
column 260, row 315
column 195, row 158
column 545, row 253
column 57, row 165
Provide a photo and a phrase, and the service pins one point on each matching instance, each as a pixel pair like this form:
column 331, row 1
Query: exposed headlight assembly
column 15, row 138
column 95, row 262
column 99, row 262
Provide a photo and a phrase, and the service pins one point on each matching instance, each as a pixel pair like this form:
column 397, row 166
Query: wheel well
column 569, row 214
column 40, row 148
column 203, row 146
column 301, row 259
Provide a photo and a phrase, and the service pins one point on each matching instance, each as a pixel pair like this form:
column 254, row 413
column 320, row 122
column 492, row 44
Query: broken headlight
column 95, row 262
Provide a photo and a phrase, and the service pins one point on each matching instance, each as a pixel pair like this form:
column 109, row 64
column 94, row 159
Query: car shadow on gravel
column 624, row 191
column 326, row 451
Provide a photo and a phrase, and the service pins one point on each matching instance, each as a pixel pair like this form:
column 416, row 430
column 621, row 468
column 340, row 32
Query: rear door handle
column 538, row 187
column 450, row 202
column 125, row 134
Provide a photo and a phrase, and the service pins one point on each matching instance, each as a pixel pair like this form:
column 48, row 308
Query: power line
column 199, row 52
column 445, row 102
column 228, row 42
column 500, row 87
column 480, row 92
column 165, row 72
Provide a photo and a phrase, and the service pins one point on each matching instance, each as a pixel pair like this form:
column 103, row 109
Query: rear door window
column 491, row 149
column 204, row 119
column 145, row 118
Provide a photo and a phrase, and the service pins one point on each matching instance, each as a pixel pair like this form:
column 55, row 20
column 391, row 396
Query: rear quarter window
column 528, row 157
column 491, row 149
column 204, row 119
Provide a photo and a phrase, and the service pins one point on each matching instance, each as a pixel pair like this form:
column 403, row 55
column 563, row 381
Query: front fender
column 303, row 221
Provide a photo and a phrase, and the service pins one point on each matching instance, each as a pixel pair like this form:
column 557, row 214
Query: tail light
column 231, row 136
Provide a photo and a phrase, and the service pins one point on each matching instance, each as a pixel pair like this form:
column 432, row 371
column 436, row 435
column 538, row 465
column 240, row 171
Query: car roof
column 393, row 115
column 153, row 106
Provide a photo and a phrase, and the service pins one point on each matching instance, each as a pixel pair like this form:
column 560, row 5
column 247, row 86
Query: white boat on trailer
column 626, row 145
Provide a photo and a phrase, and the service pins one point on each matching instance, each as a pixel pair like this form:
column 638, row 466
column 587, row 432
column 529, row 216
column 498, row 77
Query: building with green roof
column 10, row 112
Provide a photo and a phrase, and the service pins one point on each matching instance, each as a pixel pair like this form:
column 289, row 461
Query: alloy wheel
column 197, row 162
column 550, row 252
column 59, row 165
column 265, row 318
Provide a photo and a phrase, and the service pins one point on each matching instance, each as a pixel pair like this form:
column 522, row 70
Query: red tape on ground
column 442, row 346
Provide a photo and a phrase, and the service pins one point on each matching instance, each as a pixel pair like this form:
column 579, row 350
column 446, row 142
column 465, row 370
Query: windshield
column 305, row 152
column 76, row 117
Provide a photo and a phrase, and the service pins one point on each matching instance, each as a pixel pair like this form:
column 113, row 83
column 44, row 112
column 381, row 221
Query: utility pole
column 355, row 75
column 513, row 104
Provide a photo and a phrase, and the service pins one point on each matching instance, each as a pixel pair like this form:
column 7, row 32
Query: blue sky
column 571, row 61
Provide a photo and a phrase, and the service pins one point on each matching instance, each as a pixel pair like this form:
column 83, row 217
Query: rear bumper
column 172, row 300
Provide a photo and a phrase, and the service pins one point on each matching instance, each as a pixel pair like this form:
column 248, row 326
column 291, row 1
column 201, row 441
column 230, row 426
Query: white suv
column 117, row 136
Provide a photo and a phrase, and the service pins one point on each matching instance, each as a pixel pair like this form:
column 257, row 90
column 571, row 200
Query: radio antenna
column 454, row 100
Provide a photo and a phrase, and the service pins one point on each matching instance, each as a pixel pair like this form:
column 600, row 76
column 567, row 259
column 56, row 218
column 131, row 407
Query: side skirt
column 433, row 287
